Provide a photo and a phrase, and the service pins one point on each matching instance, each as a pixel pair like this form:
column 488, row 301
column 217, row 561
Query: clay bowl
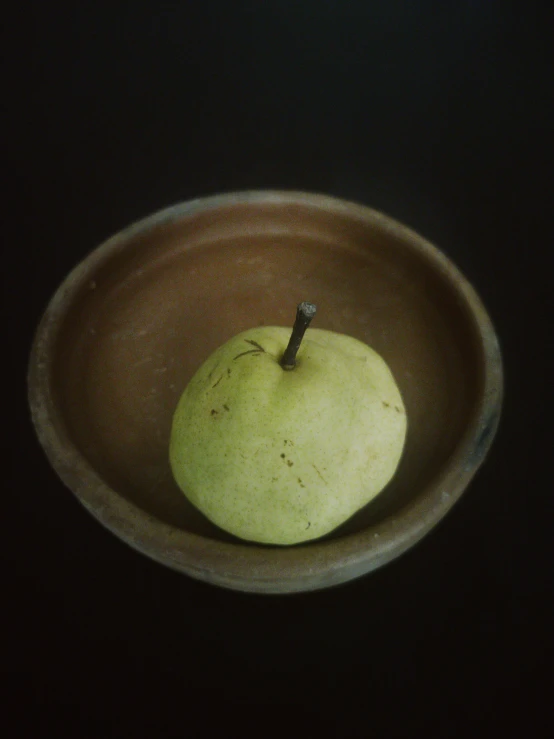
column 130, row 325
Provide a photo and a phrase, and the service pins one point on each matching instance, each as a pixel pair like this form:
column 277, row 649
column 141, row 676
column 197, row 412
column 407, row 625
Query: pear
column 280, row 438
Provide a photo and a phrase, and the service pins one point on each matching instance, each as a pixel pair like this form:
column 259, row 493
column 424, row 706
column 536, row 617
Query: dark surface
column 439, row 114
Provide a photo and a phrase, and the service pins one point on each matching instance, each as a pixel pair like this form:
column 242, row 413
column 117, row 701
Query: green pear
column 279, row 441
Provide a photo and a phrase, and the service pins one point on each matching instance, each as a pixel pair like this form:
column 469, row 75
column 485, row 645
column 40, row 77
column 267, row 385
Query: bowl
column 130, row 325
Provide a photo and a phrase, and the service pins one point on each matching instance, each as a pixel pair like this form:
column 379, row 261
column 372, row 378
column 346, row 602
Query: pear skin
column 281, row 456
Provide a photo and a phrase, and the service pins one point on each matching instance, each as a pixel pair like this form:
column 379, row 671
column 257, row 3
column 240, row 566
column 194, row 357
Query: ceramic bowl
column 130, row 325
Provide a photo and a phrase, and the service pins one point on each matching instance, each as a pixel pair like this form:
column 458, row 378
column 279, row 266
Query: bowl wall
column 132, row 323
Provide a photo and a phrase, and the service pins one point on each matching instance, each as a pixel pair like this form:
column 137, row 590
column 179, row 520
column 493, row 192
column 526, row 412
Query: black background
column 439, row 113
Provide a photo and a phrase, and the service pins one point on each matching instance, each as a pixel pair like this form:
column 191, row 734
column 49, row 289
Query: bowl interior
column 144, row 316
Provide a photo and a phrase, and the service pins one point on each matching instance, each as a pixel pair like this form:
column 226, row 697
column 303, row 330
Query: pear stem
column 304, row 314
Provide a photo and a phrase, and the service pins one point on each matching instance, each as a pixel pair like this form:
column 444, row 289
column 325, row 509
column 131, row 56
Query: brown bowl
column 131, row 324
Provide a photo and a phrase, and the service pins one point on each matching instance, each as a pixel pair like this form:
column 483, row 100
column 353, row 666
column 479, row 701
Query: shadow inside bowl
column 147, row 315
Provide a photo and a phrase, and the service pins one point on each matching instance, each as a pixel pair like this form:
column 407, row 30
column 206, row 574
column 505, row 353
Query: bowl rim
column 249, row 567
